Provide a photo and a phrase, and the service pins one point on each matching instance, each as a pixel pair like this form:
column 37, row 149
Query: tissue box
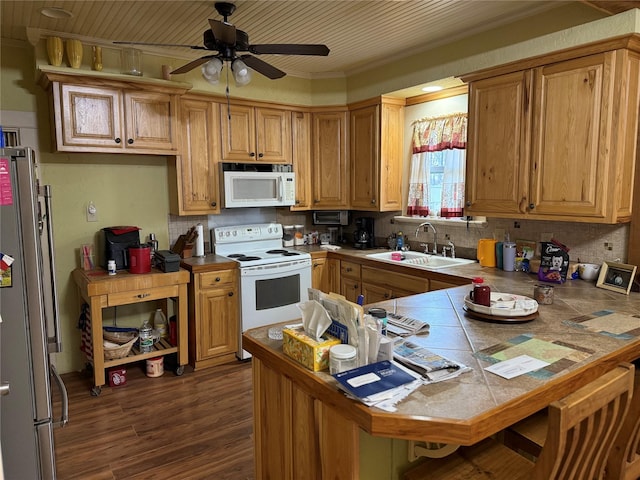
column 307, row 351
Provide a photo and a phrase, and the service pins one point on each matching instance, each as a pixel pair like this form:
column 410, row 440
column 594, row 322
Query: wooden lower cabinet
column 213, row 318
column 297, row 436
column 350, row 282
column 379, row 284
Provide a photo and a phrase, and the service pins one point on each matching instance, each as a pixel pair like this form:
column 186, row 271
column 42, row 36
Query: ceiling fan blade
column 289, row 49
column 191, row 65
column 262, row 67
column 195, row 47
column 224, row 32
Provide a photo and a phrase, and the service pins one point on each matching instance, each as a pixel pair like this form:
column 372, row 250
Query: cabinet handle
column 217, row 279
column 143, row 295
column 468, row 203
column 130, row 141
column 117, row 140
column 373, row 201
column 355, row 286
column 315, row 265
column 230, row 294
column 348, row 269
column 531, row 206
column 214, row 204
column 386, row 295
column 252, row 154
column 261, row 155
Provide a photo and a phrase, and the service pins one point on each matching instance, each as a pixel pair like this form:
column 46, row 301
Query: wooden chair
column 581, row 433
column 624, row 460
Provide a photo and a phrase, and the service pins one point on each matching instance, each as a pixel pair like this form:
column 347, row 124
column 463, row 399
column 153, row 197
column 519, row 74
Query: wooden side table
column 101, row 290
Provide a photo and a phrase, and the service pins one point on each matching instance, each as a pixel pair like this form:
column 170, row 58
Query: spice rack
column 100, row 290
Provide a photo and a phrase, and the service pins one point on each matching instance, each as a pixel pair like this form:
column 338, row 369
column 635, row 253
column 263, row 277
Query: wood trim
column 429, row 97
column 380, row 100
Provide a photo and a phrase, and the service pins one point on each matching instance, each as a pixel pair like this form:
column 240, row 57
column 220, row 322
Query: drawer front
column 215, row 279
column 142, row 295
column 395, row 280
column 350, row 269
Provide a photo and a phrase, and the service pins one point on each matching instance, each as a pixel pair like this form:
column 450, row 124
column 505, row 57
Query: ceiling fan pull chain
column 228, row 103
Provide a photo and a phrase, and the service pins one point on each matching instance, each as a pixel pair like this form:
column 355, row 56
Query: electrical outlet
column 447, row 236
column 92, row 212
column 516, row 224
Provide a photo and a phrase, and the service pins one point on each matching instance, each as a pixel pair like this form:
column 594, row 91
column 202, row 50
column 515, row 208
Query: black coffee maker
column 364, row 235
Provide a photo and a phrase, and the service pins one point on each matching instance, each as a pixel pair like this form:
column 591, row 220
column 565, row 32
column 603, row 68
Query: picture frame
column 617, row 277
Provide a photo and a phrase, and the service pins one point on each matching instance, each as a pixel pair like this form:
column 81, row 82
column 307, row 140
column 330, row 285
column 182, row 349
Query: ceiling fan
column 225, row 39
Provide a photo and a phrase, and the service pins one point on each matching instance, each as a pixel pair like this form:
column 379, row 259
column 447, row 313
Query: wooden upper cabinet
column 571, row 134
column 116, row 120
column 329, row 160
column 194, row 175
column 497, row 173
column 556, row 141
column 376, row 155
column 255, row 134
column 301, row 133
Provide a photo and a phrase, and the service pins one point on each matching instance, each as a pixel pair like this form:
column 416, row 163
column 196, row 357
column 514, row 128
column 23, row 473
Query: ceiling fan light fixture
column 211, row 70
column 241, row 73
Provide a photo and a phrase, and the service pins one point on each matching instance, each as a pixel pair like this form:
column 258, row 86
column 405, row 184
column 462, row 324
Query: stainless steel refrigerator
column 29, row 328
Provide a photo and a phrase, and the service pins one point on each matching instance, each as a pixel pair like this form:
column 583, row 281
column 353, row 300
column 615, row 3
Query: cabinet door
column 329, row 160
column 391, row 157
column 238, row 133
column 319, row 274
column 218, row 332
column 197, row 167
column 499, row 145
column 89, row 117
column 150, row 121
column 364, row 157
column 333, row 269
column 375, row 293
column 301, row 136
column 570, row 159
column 273, row 131
column 350, row 288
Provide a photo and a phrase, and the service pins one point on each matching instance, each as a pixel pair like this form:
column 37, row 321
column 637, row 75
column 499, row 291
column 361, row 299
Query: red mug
column 139, row 259
column 481, row 295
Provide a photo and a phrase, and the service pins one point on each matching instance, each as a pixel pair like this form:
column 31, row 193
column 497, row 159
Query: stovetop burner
column 290, row 254
column 277, row 250
column 241, row 257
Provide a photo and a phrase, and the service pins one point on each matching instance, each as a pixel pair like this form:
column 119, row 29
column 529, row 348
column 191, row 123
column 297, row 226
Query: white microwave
column 259, row 189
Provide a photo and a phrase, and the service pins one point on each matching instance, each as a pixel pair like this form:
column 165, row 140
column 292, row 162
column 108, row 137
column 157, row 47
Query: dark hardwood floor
column 194, row 426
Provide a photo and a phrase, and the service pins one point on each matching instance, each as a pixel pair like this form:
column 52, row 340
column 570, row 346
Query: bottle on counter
column 111, row 267
column 399, row 241
column 160, row 324
column 380, row 314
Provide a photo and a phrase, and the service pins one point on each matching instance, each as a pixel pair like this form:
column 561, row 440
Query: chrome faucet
column 435, row 239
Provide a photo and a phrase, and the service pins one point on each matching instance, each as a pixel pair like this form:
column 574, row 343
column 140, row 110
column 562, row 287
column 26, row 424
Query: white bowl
column 588, row 271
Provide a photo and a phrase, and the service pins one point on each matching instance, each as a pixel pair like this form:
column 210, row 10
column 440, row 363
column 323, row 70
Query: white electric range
column 273, row 279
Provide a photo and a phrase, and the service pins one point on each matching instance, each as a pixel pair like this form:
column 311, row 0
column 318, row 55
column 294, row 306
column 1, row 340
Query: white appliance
column 30, row 323
column 273, row 280
column 259, row 189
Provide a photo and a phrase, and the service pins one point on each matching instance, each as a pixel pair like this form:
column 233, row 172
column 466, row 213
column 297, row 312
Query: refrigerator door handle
column 64, row 418
column 4, row 389
column 55, row 343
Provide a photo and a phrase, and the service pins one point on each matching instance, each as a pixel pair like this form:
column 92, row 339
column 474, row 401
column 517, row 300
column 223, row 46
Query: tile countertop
column 478, row 404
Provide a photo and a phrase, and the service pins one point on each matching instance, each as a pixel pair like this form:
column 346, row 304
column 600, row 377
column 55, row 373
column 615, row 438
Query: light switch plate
column 92, row 212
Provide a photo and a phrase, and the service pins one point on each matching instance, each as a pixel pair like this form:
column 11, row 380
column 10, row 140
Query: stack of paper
column 402, row 326
column 382, row 384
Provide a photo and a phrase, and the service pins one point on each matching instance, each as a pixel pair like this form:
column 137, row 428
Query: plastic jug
column 160, row 324
column 487, row 252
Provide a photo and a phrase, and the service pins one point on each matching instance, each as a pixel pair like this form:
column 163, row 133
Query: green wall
column 132, row 189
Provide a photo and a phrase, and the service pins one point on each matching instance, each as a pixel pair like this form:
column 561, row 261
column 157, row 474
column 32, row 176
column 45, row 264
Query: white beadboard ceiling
column 359, row 33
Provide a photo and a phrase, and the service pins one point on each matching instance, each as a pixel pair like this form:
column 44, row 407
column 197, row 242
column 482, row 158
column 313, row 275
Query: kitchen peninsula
column 306, row 428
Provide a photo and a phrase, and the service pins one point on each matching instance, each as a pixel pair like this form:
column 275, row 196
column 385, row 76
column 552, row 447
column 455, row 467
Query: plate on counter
column 500, row 319
column 504, row 305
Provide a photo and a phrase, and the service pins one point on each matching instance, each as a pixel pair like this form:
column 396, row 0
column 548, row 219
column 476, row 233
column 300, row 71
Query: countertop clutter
column 584, row 333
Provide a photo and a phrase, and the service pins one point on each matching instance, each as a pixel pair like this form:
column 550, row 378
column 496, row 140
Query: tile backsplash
column 593, row 243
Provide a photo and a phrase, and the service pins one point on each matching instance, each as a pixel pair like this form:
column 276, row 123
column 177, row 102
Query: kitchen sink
column 421, row 260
